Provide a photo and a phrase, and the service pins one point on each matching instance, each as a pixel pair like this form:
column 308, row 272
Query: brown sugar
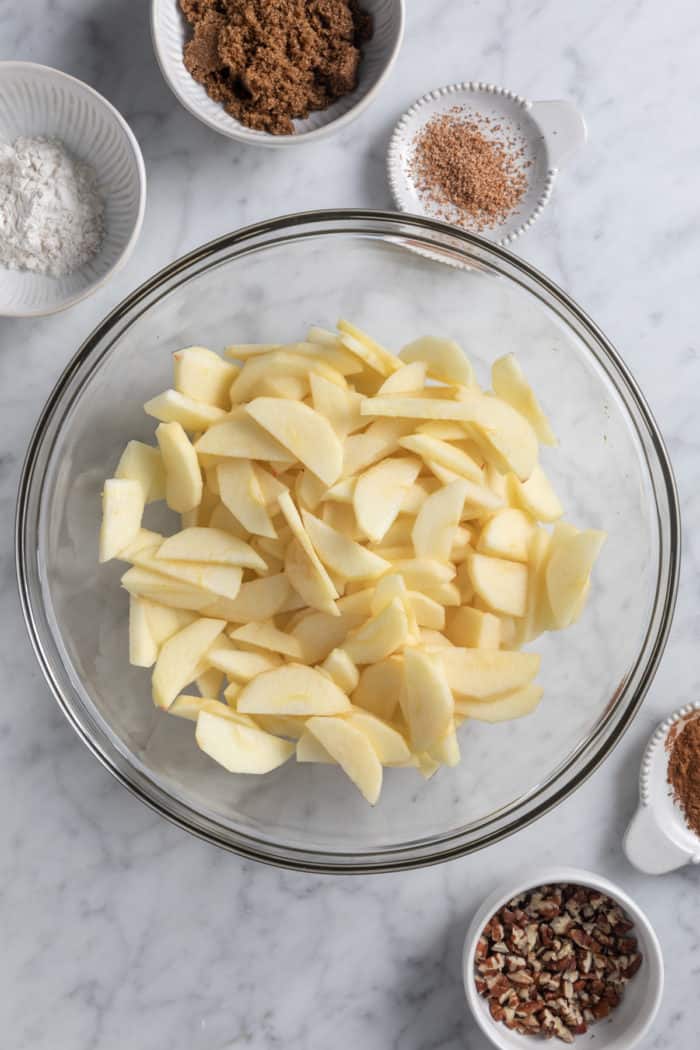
column 471, row 170
column 684, row 771
column 270, row 62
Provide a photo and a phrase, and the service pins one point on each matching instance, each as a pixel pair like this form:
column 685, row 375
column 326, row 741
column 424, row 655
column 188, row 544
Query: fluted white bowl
column 36, row 100
column 170, row 32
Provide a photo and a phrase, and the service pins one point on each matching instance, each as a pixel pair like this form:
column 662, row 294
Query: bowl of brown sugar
column 276, row 72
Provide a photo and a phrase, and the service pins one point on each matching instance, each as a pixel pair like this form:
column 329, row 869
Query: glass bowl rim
column 598, row 744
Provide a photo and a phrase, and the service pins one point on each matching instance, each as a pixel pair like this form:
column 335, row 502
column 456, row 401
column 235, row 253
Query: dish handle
column 650, row 849
column 563, row 128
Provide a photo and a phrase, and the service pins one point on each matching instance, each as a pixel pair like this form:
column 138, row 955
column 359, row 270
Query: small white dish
column 629, row 1022
column 658, row 838
column 170, row 32
column 37, row 100
column 550, row 132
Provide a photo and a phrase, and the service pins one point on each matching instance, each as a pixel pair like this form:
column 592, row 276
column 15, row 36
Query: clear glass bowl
column 388, row 273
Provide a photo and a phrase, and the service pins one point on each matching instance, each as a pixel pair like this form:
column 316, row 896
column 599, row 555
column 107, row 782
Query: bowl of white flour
column 72, row 190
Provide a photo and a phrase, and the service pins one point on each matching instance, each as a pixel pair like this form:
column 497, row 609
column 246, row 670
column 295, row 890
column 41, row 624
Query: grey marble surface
column 118, row 930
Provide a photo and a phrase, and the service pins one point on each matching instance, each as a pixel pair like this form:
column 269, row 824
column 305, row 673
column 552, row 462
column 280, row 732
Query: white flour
column 50, row 210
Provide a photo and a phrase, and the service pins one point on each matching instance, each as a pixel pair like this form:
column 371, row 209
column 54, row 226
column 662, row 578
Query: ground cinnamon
column 684, row 771
column 270, row 62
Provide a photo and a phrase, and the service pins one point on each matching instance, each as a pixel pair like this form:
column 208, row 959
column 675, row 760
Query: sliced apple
column 307, row 434
column 173, row 407
column 266, row 636
column 240, row 437
column 340, row 407
column 241, row 665
column 222, row 581
column 353, row 752
column 242, row 495
column 270, row 486
column 203, row 376
column 421, row 574
column 408, row 379
column 506, row 535
column 514, row 704
column 416, row 495
column 379, row 687
column 380, row 492
column 430, row 639
column 308, row 490
column 380, row 636
column 190, row 707
column 240, row 748
column 342, row 555
column 122, row 510
column 279, row 363
column 437, row 520
column 163, row 621
column 256, row 600
column 472, row 628
column 387, row 741
column 143, row 463
column 483, row 673
column 568, row 569
column 292, row 690
column 341, row 670
column 443, row 430
column 183, row 475
column 433, row 450
column 180, row 656
column 500, row 583
column 446, row 751
column 426, row 699
column 510, row 385
column 319, row 633
column 165, row 590
column 242, row 351
column 368, row 349
column 310, row 749
column 390, row 587
column 145, row 540
column 536, row 496
column 143, row 650
column 380, row 439
column 445, row 359
column 210, row 545
column 210, row 682
column 428, row 613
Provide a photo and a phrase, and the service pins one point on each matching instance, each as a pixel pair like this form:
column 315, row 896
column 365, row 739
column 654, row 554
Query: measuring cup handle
column 563, row 128
column 649, row 848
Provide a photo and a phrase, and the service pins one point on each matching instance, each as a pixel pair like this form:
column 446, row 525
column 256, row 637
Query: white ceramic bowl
column 36, row 100
column 170, row 32
column 629, row 1022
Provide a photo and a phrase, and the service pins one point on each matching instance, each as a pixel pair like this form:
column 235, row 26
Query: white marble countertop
column 119, row 930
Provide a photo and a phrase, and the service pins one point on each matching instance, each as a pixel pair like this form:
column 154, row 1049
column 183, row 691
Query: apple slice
column 387, row 741
column 368, row 349
column 241, row 665
column 240, row 437
column 473, row 629
column 164, row 622
column 239, row 748
column 388, row 588
column 380, row 636
column 353, row 752
column 257, row 600
column 483, row 673
column 380, row 439
column 292, row 690
column 242, row 495
column 310, row 749
column 379, row 687
column 143, row 651
column 143, row 463
column 340, row 554
column 408, row 379
column 501, row 584
column 426, row 699
column 506, row 535
column 190, row 707
column 446, row 751
column 443, row 430
column 433, row 450
column 445, row 359
column 242, row 351
column 183, row 475
column 202, row 375
column 536, row 496
column 173, row 407
column 164, row 589
column 307, row 434
column 428, row 613
column 568, row 569
column 416, row 495
column 437, row 520
column 282, row 362
column 145, row 540
column 420, row 574
column 430, row 640
column 510, row 385
column 511, row 705
column 180, row 656
column 379, row 494
column 266, row 636
column 340, row 407
column 210, row 545
column 222, row 581
column 270, row 486
column 341, row 670
column 210, row 682
column 308, row 490
column 122, row 510
column 319, row 633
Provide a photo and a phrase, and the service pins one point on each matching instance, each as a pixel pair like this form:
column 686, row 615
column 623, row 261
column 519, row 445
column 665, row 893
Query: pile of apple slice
column 363, row 551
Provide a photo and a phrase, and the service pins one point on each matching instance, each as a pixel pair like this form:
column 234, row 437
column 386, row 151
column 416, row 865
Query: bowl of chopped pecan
column 563, row 954
column 276, row 73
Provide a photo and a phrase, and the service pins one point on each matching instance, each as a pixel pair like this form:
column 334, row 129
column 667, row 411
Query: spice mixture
column 555, row 959
column 684, row 770
column 469, row 168
column 271, row 61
